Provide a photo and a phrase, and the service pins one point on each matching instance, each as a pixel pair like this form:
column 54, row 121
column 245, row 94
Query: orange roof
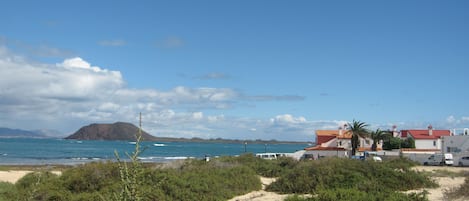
column 345, row 133
column 362, row 149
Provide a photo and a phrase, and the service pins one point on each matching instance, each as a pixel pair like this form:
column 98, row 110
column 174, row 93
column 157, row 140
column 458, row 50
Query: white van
column 439, row 159
column 268, row 156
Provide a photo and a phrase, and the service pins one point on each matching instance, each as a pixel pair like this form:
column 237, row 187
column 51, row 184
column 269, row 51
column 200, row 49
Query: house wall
column 456, row 144
column 428, row 144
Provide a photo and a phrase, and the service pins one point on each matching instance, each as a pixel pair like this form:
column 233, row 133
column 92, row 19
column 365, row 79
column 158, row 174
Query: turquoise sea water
column 15, row 151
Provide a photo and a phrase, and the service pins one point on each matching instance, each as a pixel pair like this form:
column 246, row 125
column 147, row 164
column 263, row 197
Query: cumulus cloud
column 74, row 92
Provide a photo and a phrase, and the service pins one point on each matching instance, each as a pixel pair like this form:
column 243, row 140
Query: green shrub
column 351, row 194
column 336, row 173
column 266, row 168
column 90, row 177
column 198, row 180
column 7, row 191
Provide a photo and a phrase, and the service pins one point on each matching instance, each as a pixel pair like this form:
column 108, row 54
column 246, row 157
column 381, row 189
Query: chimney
column 340, row 131
column 394, row 131
column 430, row 130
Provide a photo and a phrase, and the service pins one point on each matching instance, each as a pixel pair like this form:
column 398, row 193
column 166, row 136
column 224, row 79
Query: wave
column 84, row 158
column 164, row 158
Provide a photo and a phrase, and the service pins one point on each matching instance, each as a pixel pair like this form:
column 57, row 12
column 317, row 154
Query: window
column 434, row 143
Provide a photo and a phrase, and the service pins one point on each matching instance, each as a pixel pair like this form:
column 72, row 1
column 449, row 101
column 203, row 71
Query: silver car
column 464, row 161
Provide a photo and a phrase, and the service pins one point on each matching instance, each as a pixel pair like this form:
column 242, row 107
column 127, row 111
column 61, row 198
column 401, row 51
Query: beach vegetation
column 7, row 191
column 193, row 180
column 351, row 194
column 331, row 177
column 265, row 168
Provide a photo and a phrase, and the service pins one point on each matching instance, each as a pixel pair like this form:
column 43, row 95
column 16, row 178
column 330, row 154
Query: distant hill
column 115, row 131
column 8, row 132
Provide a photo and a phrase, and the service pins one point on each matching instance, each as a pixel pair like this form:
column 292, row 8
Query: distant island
column 19, row 133
column 127, row 132
column 115, row 131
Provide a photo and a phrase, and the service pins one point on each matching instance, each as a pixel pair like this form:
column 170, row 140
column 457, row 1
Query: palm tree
column 376, row 136
column 357, row 129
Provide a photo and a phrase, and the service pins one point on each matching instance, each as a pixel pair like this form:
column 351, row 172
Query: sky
column 234, row 69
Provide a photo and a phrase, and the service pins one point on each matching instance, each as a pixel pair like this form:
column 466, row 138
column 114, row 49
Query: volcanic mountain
column 115, row 131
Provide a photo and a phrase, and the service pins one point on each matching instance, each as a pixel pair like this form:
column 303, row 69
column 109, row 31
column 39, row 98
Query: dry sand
column 13, row 176
column 446, row 183
column 261, row 195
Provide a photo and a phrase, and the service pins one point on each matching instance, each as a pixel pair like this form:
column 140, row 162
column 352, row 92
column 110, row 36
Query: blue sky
column 234, row 69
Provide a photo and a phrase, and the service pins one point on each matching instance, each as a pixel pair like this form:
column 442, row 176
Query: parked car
column 464, row 161
column 377, row 159
column 439, row 159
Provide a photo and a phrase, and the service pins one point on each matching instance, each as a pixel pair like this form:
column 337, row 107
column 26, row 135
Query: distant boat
column 159, row 145
column 132, row 142
column 79, row 142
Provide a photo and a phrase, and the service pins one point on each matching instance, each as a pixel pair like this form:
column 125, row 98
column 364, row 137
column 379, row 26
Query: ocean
column 25, row 151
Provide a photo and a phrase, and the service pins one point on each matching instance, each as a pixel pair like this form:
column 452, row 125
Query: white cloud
column 450, row 119
column 197, row 115
column 287, row 119
column 73, row 93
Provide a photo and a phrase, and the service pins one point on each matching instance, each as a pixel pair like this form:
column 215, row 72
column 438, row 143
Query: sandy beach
column 435, row 194
column 13, row 176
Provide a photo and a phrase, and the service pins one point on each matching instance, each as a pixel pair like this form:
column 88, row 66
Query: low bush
column 351, row 194
column 194, row 180
column 263, row 167
column 7, row 191
column 336, row 173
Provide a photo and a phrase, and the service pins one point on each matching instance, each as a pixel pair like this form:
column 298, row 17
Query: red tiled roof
column 323, row 139
column 319, row 148
column 424, row 134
